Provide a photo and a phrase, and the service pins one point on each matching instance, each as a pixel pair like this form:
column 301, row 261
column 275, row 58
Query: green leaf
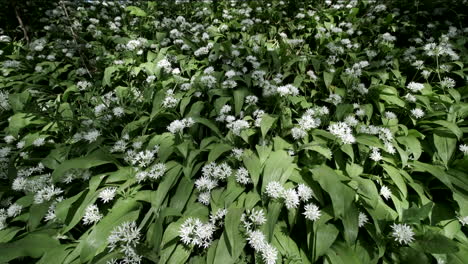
column 96, row 241
column 397, row 178
column 33, row 245
column 416, row 214
column 445, row 147
column 325, row 235
column 451, row 126
column 328, row 78
column 232, row 224
column 342, row 196
column 136, row 11
column 92, row 160
column 217, row 150
column 266, row 123
column 239, row 96
column 436, row 244
column 208, row 123
column 9, row 233
column 106, row 80
column 436, row 171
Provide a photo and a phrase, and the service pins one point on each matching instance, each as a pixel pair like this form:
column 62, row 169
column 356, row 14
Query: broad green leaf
column 232, row 223
column 106, row 81
column 445, row 147
column 217, row 151
column 325, row 235
column 136, row 11
column 92, row 160
column 32, row 245
column 342, row 196
column 435, row 244
column 239, row 96
column 266, row 123
column 96, row 241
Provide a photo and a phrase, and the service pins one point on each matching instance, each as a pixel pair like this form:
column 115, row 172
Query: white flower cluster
column 170, row 101
column 415, row 87
column 211, row 175
column 288, row 89
column 196, row 233
column 292, row 197
column 384, row 133
column 143, row 163
column 4, row 103
column 242, row 176
column 92, row 214
column 46, row 194
column 356, row 70
column 74, row 174
column 126, row 237
column 403, row 233
column 108, row 194
column 258, row 242
column 463, row 220
column 463, row 148
column 310, row 119
column 236, row 126
column 418, row 113
column 362, row 219
column 177, row 126
column 13, row 211
column 165, row 65
column 343, row 132
column 385, row 192
column 252, row 219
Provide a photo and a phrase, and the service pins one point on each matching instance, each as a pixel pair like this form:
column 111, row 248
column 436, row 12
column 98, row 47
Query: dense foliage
column 234, row 132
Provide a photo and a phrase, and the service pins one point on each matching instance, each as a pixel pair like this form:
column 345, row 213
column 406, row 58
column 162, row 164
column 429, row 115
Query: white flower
column 118, row 111
column 204, row 198
column 410, row 98
column 304, row 192
column 362, row 219
column 415, row 87
column 375, row 155
column 39, row 142
column 237, row 126
column 342, row 131
column 178, row 126
column 463, row 220
column 390, row 115
column 46, row 194
column 402, row 233
column 417, row 113
column 298, row 133
column 269, row 254
column 242, row 176
column 288, row 89
column 237, row 153
column 92, row 214
column 195, row 232
column 257, row 217
column 91, row 135
column 385, row 192
column 218, row 216
column 127, row 234
column 291, row 198
column 107, row 194
column 14, row 210
column 274, row 189
column 256, row 240
column 464, row 148
column 312, row 212
column 9, row 139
